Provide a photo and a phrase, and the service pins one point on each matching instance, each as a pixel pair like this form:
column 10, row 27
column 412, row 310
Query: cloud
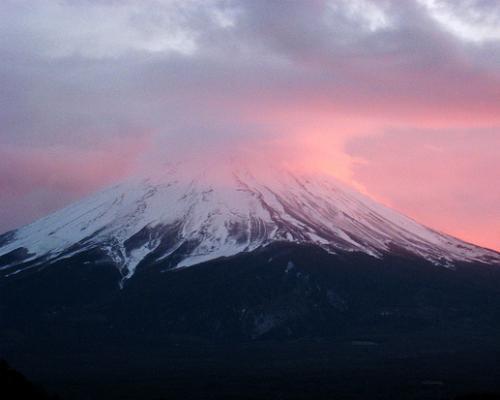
column 476, row 21
column 445, row 178
column 37, row 180
column 101, row 30
column 294, row 80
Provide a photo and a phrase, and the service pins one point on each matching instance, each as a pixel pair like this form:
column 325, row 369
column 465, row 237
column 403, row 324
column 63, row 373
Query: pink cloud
column 448, row 180
column 293, row 84
column 37, row 181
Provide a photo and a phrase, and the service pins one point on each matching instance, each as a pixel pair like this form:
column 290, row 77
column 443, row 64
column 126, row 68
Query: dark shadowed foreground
column 283, row 322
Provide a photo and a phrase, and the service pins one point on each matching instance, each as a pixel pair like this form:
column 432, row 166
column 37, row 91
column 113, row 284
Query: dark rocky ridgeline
column 14, row 386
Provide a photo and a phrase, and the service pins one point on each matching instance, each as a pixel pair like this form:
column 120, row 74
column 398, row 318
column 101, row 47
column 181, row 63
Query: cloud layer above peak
column 324, row 83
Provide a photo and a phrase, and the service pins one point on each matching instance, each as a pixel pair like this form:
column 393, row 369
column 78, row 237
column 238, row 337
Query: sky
column 400, row 98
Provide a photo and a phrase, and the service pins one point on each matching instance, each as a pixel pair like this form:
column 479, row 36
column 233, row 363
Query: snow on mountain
column 187, row 218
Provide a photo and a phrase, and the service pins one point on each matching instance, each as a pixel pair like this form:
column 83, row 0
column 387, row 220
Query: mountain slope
column 290, row 266
column 191, row 217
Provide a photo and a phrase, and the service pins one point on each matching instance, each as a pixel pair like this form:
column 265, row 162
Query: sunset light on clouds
column 400, row 98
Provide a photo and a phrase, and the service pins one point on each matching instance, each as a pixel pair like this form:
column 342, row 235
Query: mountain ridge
column 192, row 216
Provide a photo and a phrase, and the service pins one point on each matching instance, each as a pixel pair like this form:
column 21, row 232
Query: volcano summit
column 183, row 218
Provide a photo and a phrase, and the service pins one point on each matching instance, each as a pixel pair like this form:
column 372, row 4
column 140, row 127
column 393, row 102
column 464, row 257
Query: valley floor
column 425, row 365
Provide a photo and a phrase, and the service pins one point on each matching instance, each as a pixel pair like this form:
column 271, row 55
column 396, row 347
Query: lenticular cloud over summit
column 397, row 98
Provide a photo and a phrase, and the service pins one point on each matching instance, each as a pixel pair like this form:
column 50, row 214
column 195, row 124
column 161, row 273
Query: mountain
column 184, row 218
column 225, row 279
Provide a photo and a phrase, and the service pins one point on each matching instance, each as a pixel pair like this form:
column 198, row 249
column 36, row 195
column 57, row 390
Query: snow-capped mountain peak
column 185, row 216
